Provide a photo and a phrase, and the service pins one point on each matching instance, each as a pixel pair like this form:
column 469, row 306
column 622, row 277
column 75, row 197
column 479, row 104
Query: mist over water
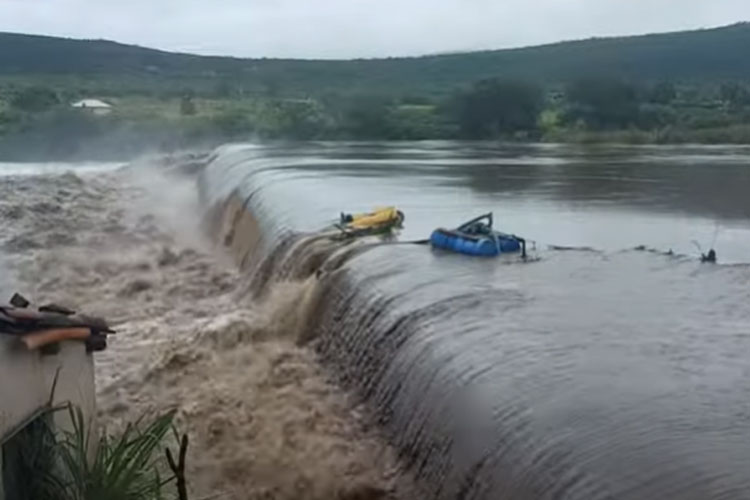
column 614, row 372
column 47, row 168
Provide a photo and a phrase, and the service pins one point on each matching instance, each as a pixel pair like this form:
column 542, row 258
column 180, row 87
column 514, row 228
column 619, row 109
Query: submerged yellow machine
column 381, row 220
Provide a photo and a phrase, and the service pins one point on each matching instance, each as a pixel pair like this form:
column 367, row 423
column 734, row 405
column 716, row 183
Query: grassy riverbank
column 734, row 134
column 489, row 110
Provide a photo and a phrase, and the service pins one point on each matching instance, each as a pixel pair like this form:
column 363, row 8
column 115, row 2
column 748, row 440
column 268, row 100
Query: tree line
column 489, row 109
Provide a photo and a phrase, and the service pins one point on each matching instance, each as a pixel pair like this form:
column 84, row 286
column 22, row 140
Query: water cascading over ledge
column 510, row 388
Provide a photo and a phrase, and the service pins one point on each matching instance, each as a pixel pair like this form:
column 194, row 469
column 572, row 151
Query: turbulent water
column 264, row 420
column 617, row 370
column 611, row 365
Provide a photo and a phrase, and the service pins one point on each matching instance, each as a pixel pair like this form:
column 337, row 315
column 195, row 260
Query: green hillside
column 683, row 87
column 705, row 55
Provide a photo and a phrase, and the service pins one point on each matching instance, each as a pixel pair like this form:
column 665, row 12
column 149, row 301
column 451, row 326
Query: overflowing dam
column 611, row 365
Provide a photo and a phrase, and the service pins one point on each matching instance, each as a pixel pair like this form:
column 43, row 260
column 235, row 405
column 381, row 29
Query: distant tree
column 187, row 105
column 495, row 107
column 233, row 123
column 270, row 85
column 34, row 99
column 729, row 92
column 655, row 116
column 366, row 117
column 223, row 89
column 415, row 122
column 735, row 95
column 291, row 118
column 8, row 120
column 602, row 103
column 416, row 100
column 549, row 121
column 662, row 93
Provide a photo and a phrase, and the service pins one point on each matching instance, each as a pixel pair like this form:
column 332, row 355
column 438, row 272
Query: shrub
column 35, row 99
column 79, row 465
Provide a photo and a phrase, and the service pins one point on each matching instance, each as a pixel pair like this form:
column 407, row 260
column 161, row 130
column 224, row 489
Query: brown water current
column 265, row 421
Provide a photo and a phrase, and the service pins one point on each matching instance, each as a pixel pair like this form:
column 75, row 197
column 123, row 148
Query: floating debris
column 379, row 221
column 51, row 324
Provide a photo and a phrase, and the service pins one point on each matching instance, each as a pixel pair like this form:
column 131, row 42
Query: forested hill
column 706, row 55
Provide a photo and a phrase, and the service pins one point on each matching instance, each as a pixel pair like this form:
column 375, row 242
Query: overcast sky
column 357, row 28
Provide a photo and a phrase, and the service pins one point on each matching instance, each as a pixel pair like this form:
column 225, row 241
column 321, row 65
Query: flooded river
column 600, row 372
column 609, row 198
column 613, row 365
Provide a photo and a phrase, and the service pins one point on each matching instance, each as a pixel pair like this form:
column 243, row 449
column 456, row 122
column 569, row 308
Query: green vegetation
column 34, row 99
column 494, row 108
column 678, row 87
column 79, row 465
column 602, row 104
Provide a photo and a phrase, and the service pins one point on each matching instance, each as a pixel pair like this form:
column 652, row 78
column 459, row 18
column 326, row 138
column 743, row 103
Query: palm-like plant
column 121, row 468
column 81, row 465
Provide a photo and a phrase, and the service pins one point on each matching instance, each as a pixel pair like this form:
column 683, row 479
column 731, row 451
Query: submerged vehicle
column 477, row 238
column 381, row 220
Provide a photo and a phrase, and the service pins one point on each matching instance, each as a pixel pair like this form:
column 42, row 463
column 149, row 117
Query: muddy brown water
column 264, row 418
column 606, row 372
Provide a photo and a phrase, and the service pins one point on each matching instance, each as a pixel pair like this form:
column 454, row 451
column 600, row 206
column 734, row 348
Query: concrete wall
column 26, row 379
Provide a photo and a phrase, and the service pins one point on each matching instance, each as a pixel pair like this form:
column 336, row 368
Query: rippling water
column 610, row 198
column 611, row 373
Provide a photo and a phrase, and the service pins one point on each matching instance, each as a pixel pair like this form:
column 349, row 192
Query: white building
column 94, row 106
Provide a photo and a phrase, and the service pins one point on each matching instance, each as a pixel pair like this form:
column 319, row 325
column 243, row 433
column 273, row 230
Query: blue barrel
column 508, row 244
column 484, row 246
column 490, row 245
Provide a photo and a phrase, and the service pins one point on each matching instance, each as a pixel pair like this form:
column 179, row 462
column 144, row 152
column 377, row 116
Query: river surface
column 601, row 372
column 609, row 198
